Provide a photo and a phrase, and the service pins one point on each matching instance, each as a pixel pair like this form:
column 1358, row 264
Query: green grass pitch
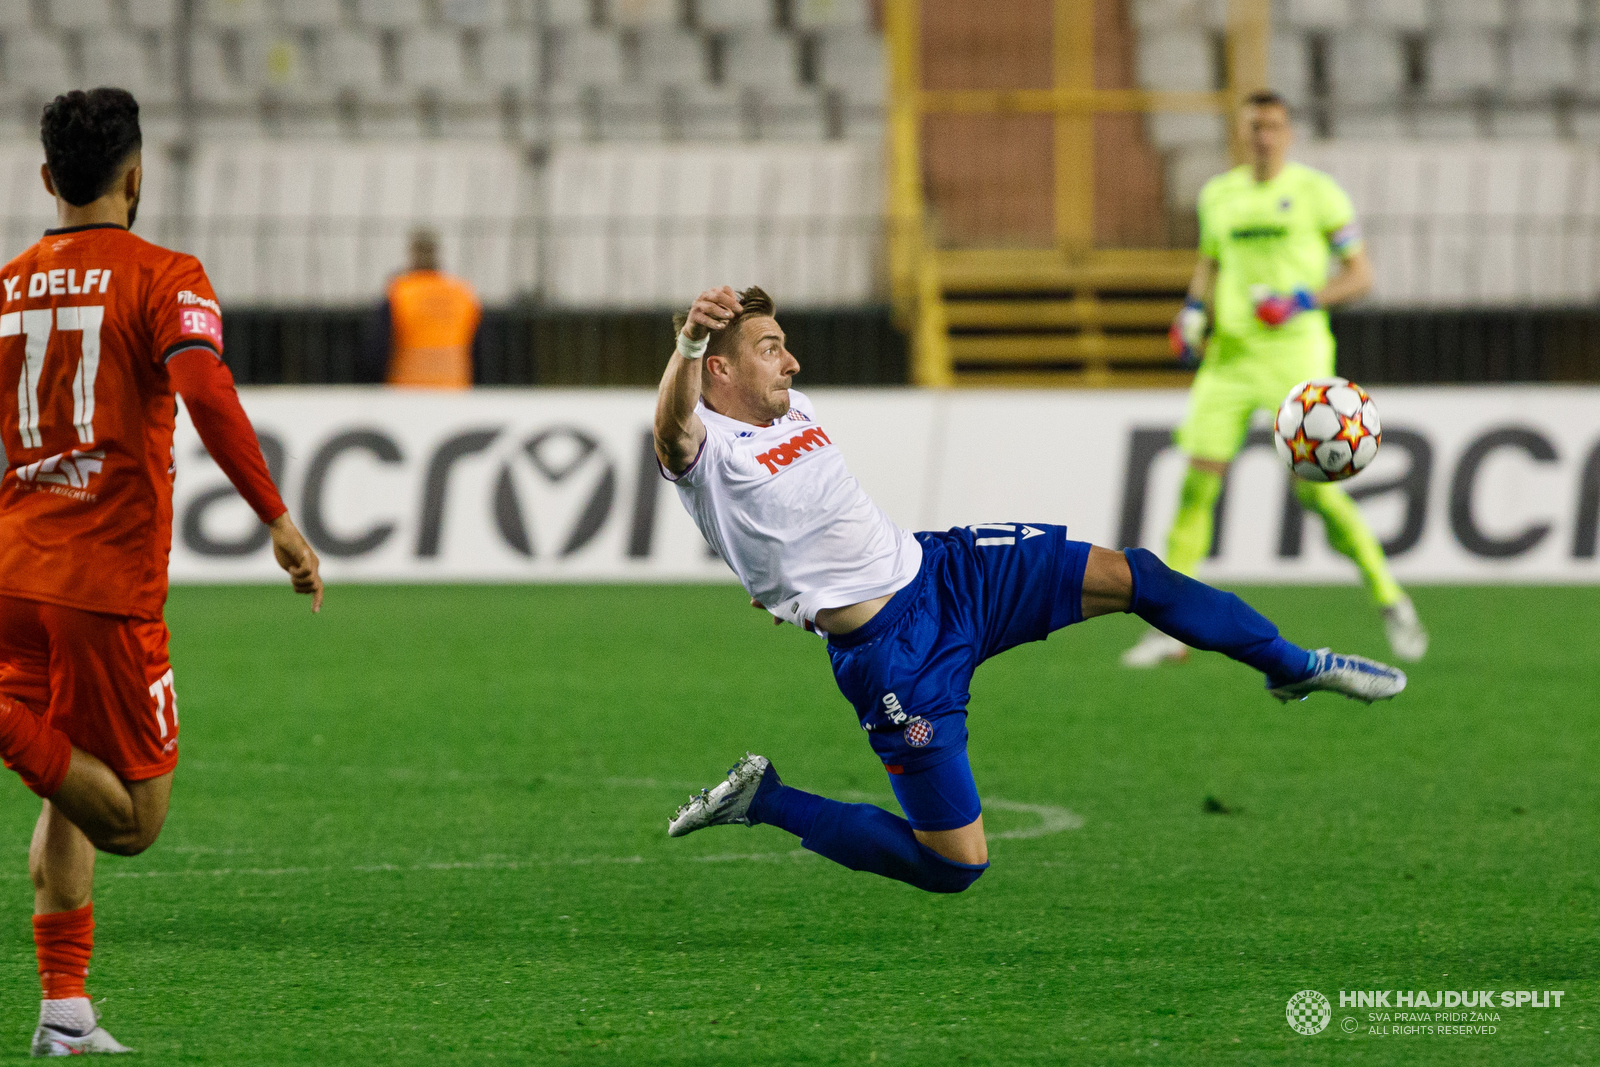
column 428, row 827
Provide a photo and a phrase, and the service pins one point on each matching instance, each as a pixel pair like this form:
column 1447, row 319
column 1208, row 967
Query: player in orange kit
column 98, row 330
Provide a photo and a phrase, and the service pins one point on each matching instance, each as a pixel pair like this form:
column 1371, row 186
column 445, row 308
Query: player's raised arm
column 206, row 386
column 678, row 430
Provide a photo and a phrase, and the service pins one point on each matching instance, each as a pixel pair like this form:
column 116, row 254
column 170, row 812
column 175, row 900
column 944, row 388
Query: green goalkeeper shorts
column 1238, row 378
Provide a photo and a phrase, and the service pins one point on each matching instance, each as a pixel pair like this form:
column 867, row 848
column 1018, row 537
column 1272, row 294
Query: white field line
column 1053, row 819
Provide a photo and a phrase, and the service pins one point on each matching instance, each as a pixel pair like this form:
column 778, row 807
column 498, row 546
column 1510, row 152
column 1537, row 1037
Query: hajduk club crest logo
column 919, row 733
column 1309, row 1012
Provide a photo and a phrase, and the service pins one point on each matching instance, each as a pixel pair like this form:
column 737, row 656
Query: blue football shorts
column 981, row 590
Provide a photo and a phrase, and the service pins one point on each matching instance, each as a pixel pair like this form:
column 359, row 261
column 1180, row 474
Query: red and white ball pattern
column 1327, row 429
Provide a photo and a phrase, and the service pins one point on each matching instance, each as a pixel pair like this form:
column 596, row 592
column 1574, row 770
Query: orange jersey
column 90, row 316
column 433, row 319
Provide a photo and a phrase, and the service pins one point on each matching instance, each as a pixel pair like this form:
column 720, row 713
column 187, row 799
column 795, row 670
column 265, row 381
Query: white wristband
column 692, row 349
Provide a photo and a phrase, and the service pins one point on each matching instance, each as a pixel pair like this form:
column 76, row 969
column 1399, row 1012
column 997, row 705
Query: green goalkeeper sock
column 1349, row 533
column 1189, row 540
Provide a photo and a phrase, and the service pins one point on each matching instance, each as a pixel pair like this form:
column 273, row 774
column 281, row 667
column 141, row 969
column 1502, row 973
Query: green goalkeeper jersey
column 1275, row 235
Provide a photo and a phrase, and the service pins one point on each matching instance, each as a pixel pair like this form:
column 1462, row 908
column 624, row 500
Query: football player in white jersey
column 908, row 618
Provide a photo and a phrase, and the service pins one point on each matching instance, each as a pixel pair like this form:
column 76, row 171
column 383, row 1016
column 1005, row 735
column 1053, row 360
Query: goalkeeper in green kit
column 1268, row 232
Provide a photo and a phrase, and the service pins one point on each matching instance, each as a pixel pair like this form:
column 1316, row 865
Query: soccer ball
column 1327, row 429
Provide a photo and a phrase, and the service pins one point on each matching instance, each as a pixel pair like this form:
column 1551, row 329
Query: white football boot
column 1154, row 649
column 1356, row 677
column 71, row 1027
column 1407, row 638
column 727, row 802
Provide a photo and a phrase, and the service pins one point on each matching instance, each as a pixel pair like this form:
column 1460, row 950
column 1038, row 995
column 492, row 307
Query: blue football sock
column 1210, row 619
column 861, row 837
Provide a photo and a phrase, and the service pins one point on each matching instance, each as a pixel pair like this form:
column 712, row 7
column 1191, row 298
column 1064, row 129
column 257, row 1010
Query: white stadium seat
column 510, row 60
column 432, row 59
column 1405, row 15
column 1482, row 14
column 1177, row 61
column 1541, row 61
column 586, row 57
column 708, row 112
column 1317, row 14
column 1175, row 129
column 152, row 14
column 231, row 13
column 16, row 14
column 671, row 57
column 311, row 14
column 565, row 14
column 1289, row 67
column 37, row 65
column 853, row 62
column 391, row 14
column 1366, row 124
column 1446, row 123
column 121, row 60
column 653, row 13
column 482, row 14
column 734, row 14
column 82, row 14
column 1555, row 14
column 760, row 59
column 1589, row 65
column 631, row 113
column 1463, row 61
column 794, row 113
column 1525, row 123
column 831, row 14
column 351, row 59
column 1365, row 66
column 214, row 80
column 270, row 59
column 1155, row 15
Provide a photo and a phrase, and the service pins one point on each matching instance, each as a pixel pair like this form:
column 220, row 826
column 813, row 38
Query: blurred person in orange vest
column 424, row 334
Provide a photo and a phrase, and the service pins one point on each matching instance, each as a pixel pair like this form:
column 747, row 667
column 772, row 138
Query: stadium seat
column 790, row 114
column 1399, row 15
column 1366, row 124
column 352, row 60
column 1540, row 61
column 510, row 60
column 1589, row 65
column 1463, row 61
column 81, row 14
column 482, row 14
column 1525, row 123
column 758, row 59
column 229, row 14
column 566, row 14
column 152, row 14
column 631, row 113
column 734, row 14
column 671, row 57
column 1180, row 129
column 272, row 59
column 1482, row 14
column 853, row 62
column 214, row 78
column 1289, row 68
column 1317, row 14
column 586, row 57
column 121, row 59
column 831, row 14
column 391, row 14
column 653, row 13
column 1365, row 66
column 708, row 113
column 311, row 14
column 37, row 66
column 1446, row 123
column 1554, row 14
column 1157, row 15
column 432, row 59
column 1177, row 61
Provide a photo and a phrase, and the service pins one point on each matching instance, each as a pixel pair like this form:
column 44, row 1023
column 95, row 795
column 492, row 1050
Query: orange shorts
column 104, row 680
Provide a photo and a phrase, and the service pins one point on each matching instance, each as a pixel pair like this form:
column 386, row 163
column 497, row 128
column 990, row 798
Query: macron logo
column 786, row 453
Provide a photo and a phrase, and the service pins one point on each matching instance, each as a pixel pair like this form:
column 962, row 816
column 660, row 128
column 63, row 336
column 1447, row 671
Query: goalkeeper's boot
column 1154, row 649
column 71, row 1027
column 1356, row 677
column 1407, row 638
column 727, row 802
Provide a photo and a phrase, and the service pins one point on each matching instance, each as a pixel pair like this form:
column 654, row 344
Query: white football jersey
column 778, row 504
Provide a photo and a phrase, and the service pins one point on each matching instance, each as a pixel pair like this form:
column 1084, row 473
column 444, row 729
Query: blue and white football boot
column 727, row 802
column 1356, row 677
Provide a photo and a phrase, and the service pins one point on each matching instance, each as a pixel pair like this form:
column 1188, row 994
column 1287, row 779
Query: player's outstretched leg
column 1350, row 535
column 1206, row 618
column 862, row 837
column 1187, row 544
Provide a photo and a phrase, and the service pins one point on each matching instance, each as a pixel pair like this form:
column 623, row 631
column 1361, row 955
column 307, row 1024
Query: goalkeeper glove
column 1275, row 310
column 1187, row 336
